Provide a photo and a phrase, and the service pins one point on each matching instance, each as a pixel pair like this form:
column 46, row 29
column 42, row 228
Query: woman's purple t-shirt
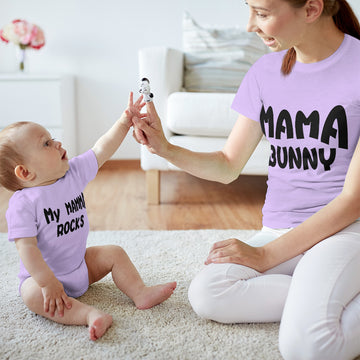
column 311, row 118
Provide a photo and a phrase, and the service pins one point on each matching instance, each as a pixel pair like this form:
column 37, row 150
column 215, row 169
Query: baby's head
column 30, row 157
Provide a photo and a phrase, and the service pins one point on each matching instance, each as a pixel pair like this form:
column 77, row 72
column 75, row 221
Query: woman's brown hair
column 344, row 18
column 10, row 157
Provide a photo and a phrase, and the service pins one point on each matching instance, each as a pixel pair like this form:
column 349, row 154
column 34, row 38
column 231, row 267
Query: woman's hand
column 55, row 298
column 148, row 131
column 237, row 252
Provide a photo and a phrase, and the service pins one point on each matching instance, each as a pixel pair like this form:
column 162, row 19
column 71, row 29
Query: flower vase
column 21, row 57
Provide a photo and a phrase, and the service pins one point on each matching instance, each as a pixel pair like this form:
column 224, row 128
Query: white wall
column 98, row 41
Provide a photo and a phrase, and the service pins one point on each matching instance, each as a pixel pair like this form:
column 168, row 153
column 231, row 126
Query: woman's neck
column 320, row 42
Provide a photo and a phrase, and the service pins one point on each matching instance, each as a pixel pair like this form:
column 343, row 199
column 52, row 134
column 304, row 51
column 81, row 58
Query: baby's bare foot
column 154, row 295
column 99, row 322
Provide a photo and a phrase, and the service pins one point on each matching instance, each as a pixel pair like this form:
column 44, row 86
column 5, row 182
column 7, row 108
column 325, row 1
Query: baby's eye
column 48, row 142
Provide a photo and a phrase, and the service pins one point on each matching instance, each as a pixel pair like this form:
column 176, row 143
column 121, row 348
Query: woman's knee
column 293, row 348
column 199, row 297
column 204, row 292
column 310, row 342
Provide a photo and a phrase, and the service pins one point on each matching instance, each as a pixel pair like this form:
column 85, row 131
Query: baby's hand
column 55, row 298
column 134, row 109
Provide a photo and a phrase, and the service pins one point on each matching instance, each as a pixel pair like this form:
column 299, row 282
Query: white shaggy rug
column 168, row 331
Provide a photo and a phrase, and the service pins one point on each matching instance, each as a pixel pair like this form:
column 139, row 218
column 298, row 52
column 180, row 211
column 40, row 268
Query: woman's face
column 276, row 22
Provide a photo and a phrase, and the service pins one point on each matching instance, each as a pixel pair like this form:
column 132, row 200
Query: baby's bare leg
column 79, row 314
column 102, row 260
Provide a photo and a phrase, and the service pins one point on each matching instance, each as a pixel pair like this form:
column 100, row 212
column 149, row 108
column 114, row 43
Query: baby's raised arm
column 53, row 292
column 106, row 146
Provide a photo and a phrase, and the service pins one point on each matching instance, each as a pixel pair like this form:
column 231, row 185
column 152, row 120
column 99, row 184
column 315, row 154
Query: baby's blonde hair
column 10, row 157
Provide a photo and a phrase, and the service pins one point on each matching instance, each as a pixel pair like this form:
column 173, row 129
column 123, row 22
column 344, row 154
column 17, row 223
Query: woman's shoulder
column 353, row 42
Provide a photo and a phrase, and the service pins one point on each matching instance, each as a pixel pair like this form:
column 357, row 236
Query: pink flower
column 24, row 34
column 2, row 37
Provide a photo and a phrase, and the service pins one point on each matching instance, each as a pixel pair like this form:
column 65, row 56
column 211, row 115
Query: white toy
column 145, row 90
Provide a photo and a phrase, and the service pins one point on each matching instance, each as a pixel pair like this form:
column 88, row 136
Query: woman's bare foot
column 154, row 295
column 98, row 323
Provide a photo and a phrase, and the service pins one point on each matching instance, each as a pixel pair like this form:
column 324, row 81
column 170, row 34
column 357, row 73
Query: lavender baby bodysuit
column 56, row 215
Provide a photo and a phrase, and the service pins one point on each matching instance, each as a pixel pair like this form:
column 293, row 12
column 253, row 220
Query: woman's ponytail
column 344, row 18
column 288, row 61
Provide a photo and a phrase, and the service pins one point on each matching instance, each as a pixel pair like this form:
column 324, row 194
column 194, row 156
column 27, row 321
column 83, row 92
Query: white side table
column 45, row 99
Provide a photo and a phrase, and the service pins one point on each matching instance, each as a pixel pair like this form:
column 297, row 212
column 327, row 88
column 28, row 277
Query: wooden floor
column 116, row 200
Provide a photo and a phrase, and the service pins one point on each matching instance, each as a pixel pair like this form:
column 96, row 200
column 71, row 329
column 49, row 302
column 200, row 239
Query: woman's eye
column 260, row 15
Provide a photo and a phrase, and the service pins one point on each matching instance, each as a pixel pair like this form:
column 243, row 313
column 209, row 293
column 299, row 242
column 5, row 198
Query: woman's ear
column 22, row 172
column 314, row 9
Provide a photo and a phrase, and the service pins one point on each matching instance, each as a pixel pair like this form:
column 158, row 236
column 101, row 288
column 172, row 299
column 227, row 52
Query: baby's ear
column 23, row 173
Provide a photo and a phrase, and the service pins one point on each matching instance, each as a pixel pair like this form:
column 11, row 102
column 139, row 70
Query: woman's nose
column 251, row 25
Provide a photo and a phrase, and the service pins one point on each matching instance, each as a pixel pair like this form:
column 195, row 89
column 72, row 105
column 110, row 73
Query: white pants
column 315, row 295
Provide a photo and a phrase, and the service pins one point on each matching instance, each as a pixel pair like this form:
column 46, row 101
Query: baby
column 47, row 220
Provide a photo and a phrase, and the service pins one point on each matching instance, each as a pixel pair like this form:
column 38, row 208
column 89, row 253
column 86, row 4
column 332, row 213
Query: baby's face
column 43, row 155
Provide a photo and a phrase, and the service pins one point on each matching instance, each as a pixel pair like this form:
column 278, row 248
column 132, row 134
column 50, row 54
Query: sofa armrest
column 164, row 67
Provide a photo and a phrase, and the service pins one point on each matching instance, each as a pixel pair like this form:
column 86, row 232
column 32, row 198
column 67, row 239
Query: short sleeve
column 20, row 217
column 84, row 167
column 247, row 100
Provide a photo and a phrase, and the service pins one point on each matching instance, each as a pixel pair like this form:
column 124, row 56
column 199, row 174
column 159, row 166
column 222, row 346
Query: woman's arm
column 332, row 218
column 53, row 291
column 222, row 166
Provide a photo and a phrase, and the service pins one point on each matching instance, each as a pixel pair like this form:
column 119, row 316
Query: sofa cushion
column 217, row 59
column 201, row 114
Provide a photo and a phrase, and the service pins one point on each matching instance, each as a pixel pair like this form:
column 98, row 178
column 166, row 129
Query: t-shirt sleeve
column 21, row 218
column 247, row 100
column 85, row 167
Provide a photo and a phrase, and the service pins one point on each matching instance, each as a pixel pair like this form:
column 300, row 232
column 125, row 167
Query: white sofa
column 197, row 121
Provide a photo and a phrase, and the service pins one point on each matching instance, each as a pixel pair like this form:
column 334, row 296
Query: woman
column 302, row 268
